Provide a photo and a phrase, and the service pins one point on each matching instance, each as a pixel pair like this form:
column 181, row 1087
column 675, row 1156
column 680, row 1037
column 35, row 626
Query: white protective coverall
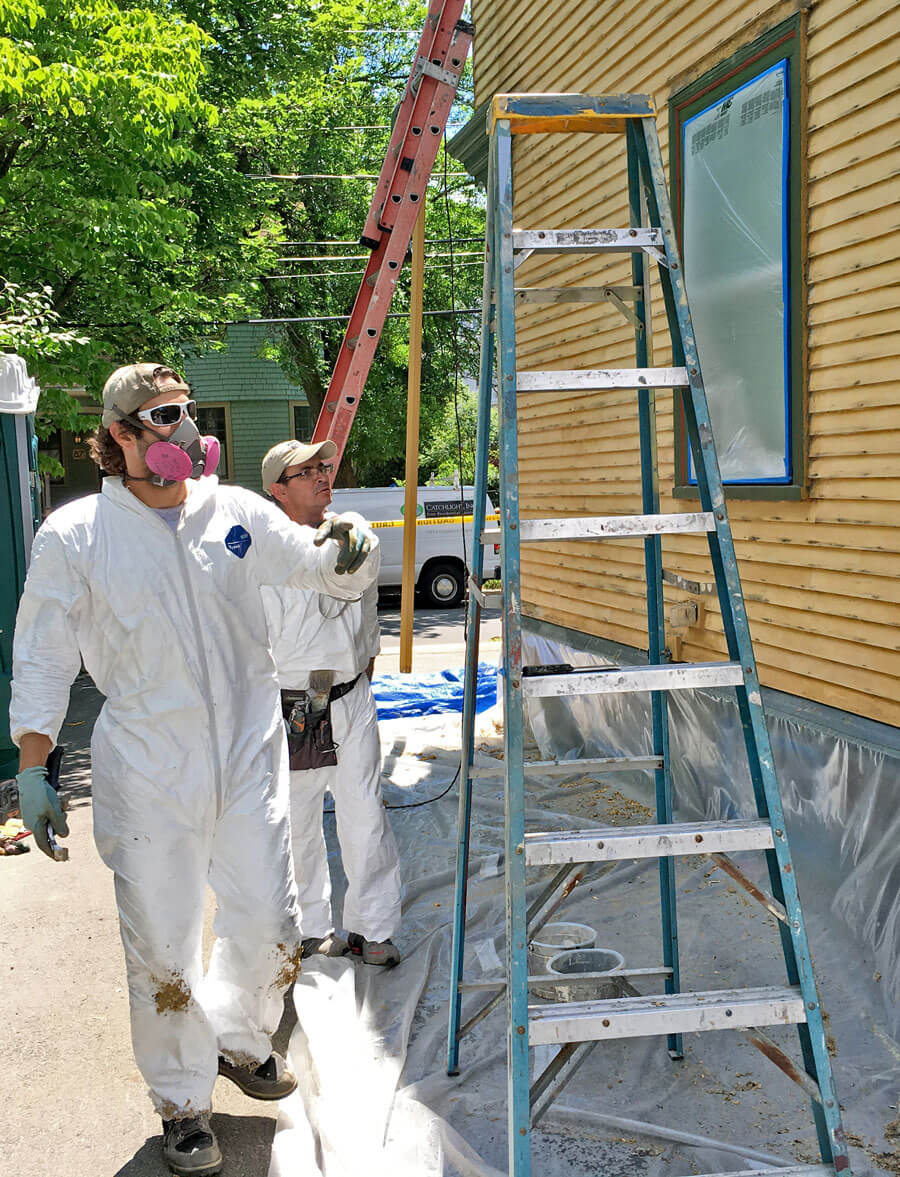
column 309, row 632
column 189, row 762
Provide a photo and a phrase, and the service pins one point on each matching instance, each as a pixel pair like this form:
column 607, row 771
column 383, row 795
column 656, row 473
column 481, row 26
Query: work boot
column 190, row 1147
column 330, row 945
column 272, row 1079
column 383, row 952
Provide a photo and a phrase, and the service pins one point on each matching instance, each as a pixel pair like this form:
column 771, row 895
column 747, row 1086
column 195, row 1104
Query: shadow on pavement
column 245, row 1141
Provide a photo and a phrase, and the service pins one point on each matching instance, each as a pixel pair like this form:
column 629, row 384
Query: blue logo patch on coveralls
column 238, row 541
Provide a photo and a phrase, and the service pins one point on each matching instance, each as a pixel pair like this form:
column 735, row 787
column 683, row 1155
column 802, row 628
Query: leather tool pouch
column 309, row 736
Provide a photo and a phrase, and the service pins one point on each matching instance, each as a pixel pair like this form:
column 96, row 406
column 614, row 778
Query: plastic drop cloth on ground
column 404, row 695
column 370, row 1046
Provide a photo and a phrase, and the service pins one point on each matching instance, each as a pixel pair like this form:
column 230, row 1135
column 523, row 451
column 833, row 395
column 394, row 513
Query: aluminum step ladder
column 419, row 124
column 577, row 1026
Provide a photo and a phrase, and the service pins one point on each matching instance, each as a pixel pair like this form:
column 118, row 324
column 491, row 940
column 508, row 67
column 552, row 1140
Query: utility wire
column 260, row 322
column 355, row 241
column 356, row 273
column 338, row 176
column 362, row 257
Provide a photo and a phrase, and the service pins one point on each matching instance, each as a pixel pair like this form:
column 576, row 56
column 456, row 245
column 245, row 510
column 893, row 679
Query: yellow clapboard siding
column 861, row 228
column 880, row 442
column 849, row 72
column 841, row 385
column 873, row 418
column 866, row 93
column 882, row 168
column 833, row 310
column 832, row 23
column 858, row 213
column 883, row 275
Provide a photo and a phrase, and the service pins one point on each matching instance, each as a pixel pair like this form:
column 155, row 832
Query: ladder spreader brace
column 576, row 1027
column 421, row 119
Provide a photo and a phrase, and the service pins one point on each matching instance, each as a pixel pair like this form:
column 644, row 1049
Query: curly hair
column 106, row 451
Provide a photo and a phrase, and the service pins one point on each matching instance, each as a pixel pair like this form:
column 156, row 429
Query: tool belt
column 309, row 735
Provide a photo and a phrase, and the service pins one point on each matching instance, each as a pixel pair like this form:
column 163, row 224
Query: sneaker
column 330, row 945
column 272, row 1079
column 190, row 1147
column 383, row 952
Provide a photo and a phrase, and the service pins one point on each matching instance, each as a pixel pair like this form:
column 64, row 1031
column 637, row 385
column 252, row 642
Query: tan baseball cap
column 130, row 387
column 292, row 453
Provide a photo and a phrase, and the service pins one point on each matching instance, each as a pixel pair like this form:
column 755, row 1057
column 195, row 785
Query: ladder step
column 617, row 680
column 589, row 379
column 577, row 767
column 786, row 1171
column 615, row 526
column 626, row 842
column 586, row 240
column 658, row 1013
column 485, row 597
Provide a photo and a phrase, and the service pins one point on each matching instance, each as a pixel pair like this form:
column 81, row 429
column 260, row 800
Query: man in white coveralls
column 324, row 652
column 155, row 584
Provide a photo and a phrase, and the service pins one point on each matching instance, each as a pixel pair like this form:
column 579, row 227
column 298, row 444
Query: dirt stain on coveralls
column 172, row 996
column 290, row 968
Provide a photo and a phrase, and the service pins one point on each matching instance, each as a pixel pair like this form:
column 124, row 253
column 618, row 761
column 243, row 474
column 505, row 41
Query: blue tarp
column 399, row 695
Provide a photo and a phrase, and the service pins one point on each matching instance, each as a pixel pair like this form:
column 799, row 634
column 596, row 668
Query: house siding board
column 820, row 575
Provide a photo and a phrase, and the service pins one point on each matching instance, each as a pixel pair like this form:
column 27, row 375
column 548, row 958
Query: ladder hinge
column 424, row 66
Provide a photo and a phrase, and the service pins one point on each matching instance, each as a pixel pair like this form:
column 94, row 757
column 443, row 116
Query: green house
column 246, row 401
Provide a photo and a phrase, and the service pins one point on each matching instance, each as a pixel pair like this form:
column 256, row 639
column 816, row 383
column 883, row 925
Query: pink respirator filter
column 169, row 461
column 212, row 451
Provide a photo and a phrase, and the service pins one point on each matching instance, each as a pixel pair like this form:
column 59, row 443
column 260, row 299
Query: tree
column 288, row 133
column 131, row 139
column 101, row 184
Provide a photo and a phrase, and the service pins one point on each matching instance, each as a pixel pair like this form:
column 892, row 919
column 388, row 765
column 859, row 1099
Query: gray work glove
column 40, row 807
column 355, row 541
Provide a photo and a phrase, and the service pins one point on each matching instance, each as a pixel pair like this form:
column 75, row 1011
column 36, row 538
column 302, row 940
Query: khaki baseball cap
column 292, row 453
column 130, row 387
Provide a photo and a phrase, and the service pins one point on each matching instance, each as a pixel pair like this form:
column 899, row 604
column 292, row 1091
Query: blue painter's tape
column 238, row 541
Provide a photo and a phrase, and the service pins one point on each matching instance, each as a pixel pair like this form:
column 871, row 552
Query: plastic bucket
column 553, row 939
column 596, row 968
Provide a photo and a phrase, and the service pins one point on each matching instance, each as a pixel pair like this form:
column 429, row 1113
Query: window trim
column 785, row 40
column 299, row 404
column 229, row 445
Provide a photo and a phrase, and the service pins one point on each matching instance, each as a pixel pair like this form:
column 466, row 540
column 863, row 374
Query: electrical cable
column 418, row 804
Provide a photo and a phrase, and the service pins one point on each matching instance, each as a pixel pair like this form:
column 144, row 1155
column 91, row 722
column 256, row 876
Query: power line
column 364, row 127
column 362, row 257
column 336, row 176
column 261, row 322
column 355, row 241
column 356, row 273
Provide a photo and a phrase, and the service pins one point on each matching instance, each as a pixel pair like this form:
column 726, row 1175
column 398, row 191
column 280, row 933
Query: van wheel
column 442, row 584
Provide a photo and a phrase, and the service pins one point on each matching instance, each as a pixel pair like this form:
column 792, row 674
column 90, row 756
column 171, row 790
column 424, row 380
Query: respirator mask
column 184, row 453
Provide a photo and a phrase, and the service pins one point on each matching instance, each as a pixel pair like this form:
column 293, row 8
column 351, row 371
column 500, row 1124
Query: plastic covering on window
column 735, row 265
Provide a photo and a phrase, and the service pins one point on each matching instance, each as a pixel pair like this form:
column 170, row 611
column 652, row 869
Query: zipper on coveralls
column 204, row 667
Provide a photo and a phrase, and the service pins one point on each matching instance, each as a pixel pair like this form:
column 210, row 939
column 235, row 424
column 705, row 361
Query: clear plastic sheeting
column 735, row 194
column 839, row 797
column 370, row 1046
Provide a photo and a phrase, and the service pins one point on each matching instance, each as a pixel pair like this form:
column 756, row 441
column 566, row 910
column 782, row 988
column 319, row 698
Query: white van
column 440, row 566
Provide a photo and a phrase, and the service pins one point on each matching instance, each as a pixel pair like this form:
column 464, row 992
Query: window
column 216, row 420
column 303, row 420
column 736, row 183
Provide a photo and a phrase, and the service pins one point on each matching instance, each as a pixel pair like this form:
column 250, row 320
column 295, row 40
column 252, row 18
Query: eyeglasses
column 307, row 472
column 170, row 413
